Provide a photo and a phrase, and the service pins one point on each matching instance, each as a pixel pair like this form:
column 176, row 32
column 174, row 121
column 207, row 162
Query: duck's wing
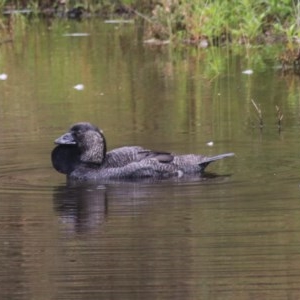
column 162, row 157
column 125, row 155
column 120, row 157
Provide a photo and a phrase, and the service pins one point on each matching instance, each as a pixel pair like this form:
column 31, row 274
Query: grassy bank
column 218, row 21
column 202, row 23
column 245, row 23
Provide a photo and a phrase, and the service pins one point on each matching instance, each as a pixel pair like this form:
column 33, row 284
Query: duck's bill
column 65, row 139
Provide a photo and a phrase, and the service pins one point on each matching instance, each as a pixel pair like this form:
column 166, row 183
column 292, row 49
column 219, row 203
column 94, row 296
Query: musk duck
column 82, row 155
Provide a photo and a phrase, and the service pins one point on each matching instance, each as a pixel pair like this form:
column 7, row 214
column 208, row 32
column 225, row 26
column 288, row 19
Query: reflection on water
column 233, row 236
column 214, row 238
column 83, row 208
column 80, row 209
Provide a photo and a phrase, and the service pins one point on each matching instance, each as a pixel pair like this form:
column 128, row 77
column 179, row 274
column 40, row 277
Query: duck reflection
column 80, row 208
column 84, row 207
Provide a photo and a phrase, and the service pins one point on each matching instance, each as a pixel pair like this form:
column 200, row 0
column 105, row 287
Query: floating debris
column 248, row 72
column 119, row 21
column 79, row 87
column 210, row 144
column 77, row 34
column 17, row 11
column 3, row 76
column 157, row 42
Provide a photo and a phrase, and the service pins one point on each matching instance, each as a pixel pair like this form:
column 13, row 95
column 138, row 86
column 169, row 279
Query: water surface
column 232, row 236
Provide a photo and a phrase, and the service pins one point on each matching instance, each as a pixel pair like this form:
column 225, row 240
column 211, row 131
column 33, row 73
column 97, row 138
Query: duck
column 81, row 153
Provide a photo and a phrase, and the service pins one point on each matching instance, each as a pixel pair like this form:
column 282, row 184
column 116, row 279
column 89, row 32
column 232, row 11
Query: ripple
column 28, row 179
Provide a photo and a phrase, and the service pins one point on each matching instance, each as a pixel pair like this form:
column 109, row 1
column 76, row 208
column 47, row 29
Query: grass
column 246, row 23
column 243, row 21
column 201, row 23
column 215, row 21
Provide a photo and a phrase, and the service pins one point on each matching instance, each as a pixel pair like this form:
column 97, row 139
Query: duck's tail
column 220, row 156
column 208, row 160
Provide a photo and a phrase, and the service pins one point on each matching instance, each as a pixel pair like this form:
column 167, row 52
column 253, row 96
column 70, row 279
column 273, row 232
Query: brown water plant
column 259, row 114
column 279, row 116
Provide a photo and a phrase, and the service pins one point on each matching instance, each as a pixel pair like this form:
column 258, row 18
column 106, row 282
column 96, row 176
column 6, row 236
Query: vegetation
column 202, row 23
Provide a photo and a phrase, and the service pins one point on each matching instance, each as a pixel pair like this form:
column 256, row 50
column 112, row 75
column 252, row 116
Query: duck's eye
column 76, row 133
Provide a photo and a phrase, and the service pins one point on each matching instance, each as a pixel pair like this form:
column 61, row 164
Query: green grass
column 217, row 21
column 243, row 23
column 237, row 22
column 201, row 23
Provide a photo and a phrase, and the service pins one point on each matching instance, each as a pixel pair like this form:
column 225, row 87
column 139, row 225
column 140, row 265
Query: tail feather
column 217, row 157
column 208, row 160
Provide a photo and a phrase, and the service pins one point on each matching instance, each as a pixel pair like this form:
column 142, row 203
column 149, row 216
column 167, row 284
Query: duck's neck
column 94, row 151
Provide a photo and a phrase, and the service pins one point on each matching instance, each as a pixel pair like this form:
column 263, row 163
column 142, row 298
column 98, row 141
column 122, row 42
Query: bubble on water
column 79, row 87
column 3, row 76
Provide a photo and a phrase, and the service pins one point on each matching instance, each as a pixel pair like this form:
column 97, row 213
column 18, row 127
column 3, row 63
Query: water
column 232, row 236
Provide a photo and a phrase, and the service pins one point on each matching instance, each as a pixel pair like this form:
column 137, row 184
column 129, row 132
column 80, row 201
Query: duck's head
column 88, row 139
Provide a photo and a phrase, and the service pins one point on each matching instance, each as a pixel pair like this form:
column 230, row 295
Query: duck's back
column 123, row 156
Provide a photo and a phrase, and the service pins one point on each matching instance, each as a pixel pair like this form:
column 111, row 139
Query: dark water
column 235, row 236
